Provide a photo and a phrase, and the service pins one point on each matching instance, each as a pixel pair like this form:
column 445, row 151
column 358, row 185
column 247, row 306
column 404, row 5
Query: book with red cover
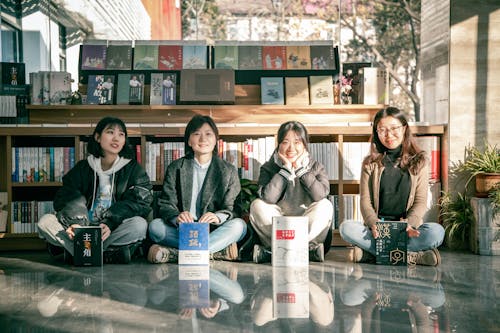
column 170, row 57
column 274, row 57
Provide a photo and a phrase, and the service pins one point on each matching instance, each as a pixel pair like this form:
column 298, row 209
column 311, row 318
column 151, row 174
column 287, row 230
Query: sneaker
column 55, row 250
column 427, row 258
column 360, row 255
column 261, row 254
column 230, row 253
column 158, row 254
column 317, row 253
column 117, row 255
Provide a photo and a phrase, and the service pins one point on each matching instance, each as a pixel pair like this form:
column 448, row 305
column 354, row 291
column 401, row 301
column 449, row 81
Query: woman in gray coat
column 198, row 187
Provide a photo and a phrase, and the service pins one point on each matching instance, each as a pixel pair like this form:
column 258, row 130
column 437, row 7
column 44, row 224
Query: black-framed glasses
column 393, row 130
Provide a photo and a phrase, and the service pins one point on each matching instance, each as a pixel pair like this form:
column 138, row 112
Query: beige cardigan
column 369, row 190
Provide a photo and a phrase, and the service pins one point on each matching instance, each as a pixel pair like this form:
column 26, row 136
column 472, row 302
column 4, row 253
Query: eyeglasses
column 393, row 130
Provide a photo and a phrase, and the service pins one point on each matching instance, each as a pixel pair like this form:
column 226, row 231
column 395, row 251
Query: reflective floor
column 38, row 294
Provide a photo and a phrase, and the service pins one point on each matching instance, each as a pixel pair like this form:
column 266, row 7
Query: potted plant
column 247, row 195
column 484, row 165
column 457, row 216
column 494, row 196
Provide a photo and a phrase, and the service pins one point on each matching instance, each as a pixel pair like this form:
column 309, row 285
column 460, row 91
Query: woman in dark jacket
column 292, row 183
column 109, row 189
column 198, row 187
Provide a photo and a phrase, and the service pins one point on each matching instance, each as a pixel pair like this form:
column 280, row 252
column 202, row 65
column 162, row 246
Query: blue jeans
column 356, row 233
column 228, row 232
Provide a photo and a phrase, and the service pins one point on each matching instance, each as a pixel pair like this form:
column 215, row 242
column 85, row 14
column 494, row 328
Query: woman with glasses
column 393, row 187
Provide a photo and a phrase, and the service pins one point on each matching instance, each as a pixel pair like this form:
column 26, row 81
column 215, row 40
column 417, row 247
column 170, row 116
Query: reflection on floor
column 39, row 294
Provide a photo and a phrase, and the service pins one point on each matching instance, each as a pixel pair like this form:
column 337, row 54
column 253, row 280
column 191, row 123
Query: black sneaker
column 117, row 255
column 261, row 254
column 54, row 250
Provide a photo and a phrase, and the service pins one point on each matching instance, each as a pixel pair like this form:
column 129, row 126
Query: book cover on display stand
column 250, row 57
column 193, row 243
column 390, row 246
column 296, row 91
column 170, row 57
column 225, row 55
column 146, row 54
column 273, row 57
column 322, row 57
column 321, row 89
column 13, row 78
column 119, row 55
column 298, row 57
column 136, row 88
column 271, row 90
column 87, row 246
column 290, row 246
column 194, row 55
column 59, row 87
column 94, row 55
column 100, row 89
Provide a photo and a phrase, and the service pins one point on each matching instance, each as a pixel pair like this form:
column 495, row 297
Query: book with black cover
column 87, row 246
column 390, row 246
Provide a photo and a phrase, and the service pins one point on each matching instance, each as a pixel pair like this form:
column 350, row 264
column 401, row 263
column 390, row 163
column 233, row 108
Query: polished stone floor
column 38, row 294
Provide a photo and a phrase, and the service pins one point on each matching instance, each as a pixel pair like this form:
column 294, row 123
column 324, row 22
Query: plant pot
column 485, row 183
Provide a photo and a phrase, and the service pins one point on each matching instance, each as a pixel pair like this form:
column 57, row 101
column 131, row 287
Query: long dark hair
column 412, row 156
column 94, row 147
column 298, row 128
column 195, row 124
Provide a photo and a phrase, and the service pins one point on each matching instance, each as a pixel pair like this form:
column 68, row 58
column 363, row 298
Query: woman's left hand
column 208, row 217
column 105, row 231
column 412, row 233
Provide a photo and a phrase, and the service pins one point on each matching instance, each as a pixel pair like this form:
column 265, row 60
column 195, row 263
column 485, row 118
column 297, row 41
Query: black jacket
column 132, row 195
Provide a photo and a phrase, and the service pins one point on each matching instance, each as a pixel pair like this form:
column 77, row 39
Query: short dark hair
column 298, row 128
column 195, row 124
column 94, row 147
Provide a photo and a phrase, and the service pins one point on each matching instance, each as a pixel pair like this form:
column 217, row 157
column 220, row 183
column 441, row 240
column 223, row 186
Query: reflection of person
column 109, row 189
column 198, row 187
column 393, row 187
column 375, row 301
column 292, row 183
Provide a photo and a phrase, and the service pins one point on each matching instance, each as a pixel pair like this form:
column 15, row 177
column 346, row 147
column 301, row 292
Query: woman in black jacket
column 109, row 189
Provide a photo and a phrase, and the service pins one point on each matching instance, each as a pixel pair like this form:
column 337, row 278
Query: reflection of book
column 193, row 243
column 100, row 89
column 87, row 246
column 119, row 55
column 298, row 57
column 170, row 57
column 271, row 90
column 194, row 286
column 322, row 57
column 297, row 91
column 250, row 57
column 290, row 246
column 146, row 54
column 390, row 246
column 226, row 56
column 194, row 56
column 93, row 56
column 321, row 89
column 274, row 57
column 291, row 292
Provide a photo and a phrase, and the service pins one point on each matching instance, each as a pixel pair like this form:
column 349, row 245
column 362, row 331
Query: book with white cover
column 290, row 246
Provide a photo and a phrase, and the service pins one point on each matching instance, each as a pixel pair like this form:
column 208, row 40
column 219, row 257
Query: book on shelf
column 4, row 211
column 296, row 91
column 100, row 89
column 13, row 78
column 156, row 90
column 225, row 55
column 323, row 57
column 193, row 243
column 390, row 246
column 119, row 55
column 170, row 57
column 375, row 86
column 274, row 57
column 194, row 56
column 271, row 90
column 298, row 57
column 59, row 87
column 290, row 246
column 94, row 55
column 145, row 54
column 321, row 89
column 291, row 292
column 136, row 88
column 353, row 74
column 249, row 57
column 163, row 89
column 87, row 244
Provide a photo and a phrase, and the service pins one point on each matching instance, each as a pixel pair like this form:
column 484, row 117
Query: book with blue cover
column 93, row 56
column 100, row 89
column 193, row 243
column 194, row 56
column 87, row 246
column 271, row 90
column 390, row 246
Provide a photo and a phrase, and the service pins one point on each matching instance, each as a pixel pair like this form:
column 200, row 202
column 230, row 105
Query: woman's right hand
column 185, row 217
column 71, row 230
column 286, row 162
